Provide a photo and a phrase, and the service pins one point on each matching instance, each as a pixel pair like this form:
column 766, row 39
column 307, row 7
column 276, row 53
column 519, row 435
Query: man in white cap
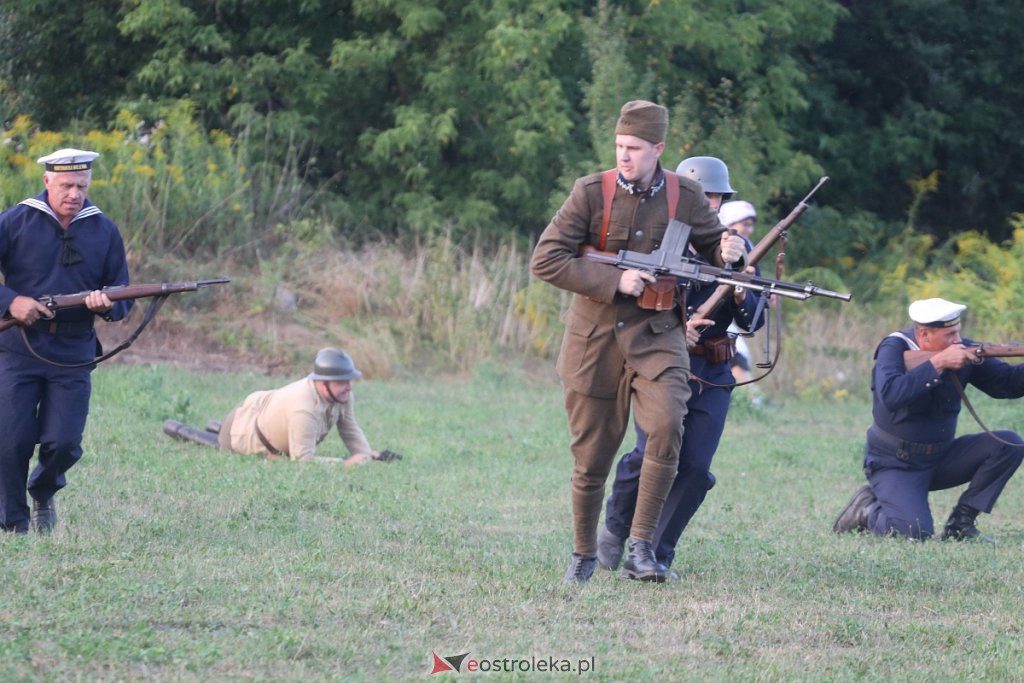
column 291, row 421
column 912, row 446
column 741, row 216
column 57, row 242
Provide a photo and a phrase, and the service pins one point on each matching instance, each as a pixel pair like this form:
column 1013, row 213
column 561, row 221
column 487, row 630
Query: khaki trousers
column 598, row 426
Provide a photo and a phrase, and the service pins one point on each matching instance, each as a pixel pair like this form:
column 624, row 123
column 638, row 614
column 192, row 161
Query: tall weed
column 171, row 187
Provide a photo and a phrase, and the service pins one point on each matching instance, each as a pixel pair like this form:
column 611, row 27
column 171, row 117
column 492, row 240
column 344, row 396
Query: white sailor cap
column 67, row 160
column 736, row 211
column 936, row 312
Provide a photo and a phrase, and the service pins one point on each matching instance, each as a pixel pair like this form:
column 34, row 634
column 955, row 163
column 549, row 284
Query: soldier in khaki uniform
column 614, row 351
column 292, row 420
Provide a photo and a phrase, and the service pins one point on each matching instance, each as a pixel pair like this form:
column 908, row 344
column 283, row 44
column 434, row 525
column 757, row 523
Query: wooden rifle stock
column 984, row 350
column 56, row 302
column 712, row 303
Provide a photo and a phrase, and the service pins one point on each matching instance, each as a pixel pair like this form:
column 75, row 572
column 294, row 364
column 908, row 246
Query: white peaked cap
column 936, row 312
column 66, row 160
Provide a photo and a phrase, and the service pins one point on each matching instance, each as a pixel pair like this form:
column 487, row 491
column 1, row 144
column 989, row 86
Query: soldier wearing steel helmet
column 292, row 420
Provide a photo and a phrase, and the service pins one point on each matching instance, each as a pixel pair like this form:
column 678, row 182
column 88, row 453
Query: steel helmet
column 734, row 212
column 333, row 365
column 710, row 172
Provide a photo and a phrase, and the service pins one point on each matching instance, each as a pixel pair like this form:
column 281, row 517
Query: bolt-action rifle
column 158, row 292
column 56, row 302
column 670, row 259
column 981, row 351
column 777, row 232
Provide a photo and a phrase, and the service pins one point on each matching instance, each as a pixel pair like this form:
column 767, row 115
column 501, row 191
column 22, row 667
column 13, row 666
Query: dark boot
column 960, row 526
column 213, row 426
column 183, row 432
column 44, row 515
column 854, row 516
column 609, row 549
column 580, row 569
column 641, row 564
column 18, row 528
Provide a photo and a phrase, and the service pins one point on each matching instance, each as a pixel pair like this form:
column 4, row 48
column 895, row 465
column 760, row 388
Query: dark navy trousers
column 901, row 482
column 702, row 430
column 39, row 404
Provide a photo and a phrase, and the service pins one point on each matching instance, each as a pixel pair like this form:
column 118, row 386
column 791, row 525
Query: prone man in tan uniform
column 291, row 421
column 614, row 351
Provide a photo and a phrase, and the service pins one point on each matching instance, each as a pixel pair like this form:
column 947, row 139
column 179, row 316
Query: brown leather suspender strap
column 672, row 193
column 608, row 181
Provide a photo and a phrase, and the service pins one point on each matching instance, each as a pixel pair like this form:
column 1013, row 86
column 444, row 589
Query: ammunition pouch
column 659, row 295
column 716, row 350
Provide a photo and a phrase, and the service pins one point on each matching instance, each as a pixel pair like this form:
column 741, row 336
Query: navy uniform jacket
column 38, row 257
column 724, row 315
column 922, row 405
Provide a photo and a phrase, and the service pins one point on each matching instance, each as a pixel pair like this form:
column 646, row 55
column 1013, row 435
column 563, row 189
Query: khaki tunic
column 601, row 323
column 613, row 350
column 294, row 419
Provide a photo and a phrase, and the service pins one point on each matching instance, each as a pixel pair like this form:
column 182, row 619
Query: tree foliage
column 909, row 87
column 64, row 59
column 475, row 115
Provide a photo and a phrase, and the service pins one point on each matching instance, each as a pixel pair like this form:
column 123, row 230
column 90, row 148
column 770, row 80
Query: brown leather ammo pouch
column 659, row 295
column 719, row 349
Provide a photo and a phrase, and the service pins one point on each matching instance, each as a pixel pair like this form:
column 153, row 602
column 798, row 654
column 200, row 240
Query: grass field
column 172, row 562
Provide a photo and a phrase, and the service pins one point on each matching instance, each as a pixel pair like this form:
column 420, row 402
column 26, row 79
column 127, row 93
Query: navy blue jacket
column 724, row 315
column 922, row 405
column 38, row 257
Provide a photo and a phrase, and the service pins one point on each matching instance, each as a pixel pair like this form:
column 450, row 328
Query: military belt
column 266, row 442
column 62, row 328
column 904, row 447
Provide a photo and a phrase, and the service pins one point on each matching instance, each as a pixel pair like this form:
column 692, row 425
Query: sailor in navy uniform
column 57, row 242
column 912, row 446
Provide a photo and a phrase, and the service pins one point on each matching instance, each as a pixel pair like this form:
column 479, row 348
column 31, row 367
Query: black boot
column 177, row 430
column 960, row 525
column 44, row 515
column 609, row 549
column 17, row 528
column 854, row 516
column 641, row 564
column 580, row 569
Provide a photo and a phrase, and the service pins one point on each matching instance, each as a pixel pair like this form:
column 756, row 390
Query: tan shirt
column 294, row 419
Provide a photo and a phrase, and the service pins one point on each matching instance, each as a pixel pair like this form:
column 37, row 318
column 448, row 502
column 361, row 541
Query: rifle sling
column 774, row 362
column 151, row 311
column 974, row 414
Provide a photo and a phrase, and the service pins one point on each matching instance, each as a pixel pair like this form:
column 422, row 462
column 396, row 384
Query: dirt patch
column 169, row 344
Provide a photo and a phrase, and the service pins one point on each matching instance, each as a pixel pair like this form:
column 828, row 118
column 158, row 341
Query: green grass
column 175, row 562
